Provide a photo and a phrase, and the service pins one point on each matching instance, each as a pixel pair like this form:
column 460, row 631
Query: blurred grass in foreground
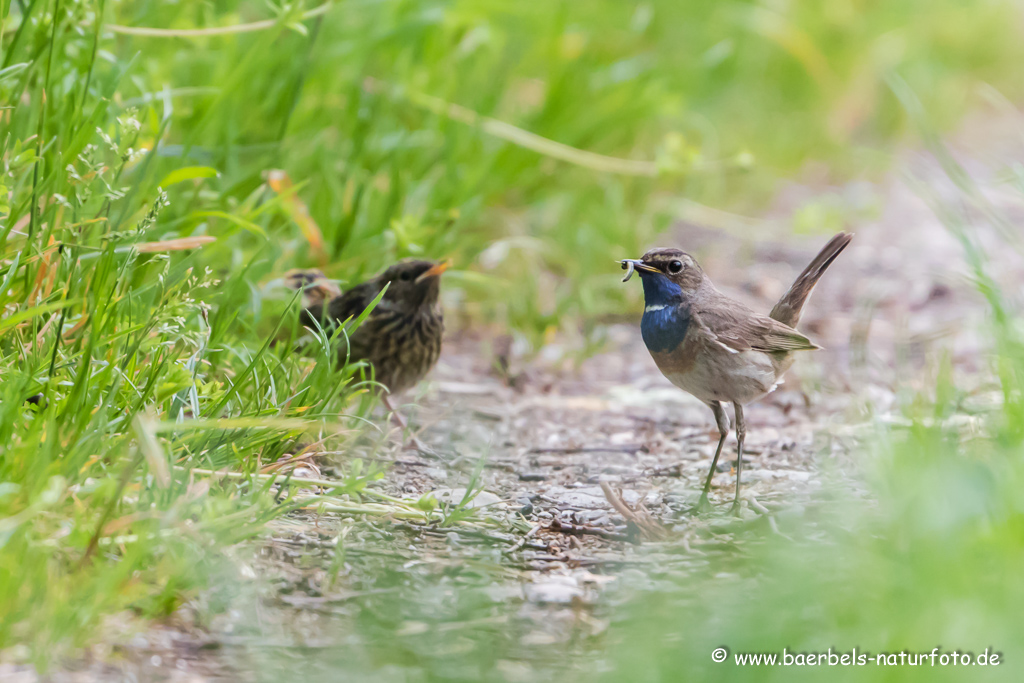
column 112, row 145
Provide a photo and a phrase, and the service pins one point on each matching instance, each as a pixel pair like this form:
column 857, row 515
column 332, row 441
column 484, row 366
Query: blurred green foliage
column 721, row 99
column 330, row 138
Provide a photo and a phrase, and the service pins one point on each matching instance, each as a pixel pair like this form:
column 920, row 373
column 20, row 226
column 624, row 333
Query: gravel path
column 552, row 432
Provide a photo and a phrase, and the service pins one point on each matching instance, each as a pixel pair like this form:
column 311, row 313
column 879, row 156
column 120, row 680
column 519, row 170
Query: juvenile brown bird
column 401, row 338
column 715, row 347
column 316, row 288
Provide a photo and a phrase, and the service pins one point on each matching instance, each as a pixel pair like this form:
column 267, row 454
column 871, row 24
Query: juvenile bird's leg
column 741, row 433
column 404, row 424
column 723, row 429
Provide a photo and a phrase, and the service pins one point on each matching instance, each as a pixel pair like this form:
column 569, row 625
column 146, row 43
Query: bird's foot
column 702, row 507
column 735, row 511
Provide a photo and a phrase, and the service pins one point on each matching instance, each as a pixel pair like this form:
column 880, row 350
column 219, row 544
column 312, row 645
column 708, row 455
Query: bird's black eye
column 675, row 266
column 406, row 276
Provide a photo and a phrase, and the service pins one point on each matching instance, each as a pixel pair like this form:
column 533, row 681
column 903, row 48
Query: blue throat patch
column 665, row 328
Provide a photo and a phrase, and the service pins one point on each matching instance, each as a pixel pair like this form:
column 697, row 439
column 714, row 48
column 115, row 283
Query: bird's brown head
column 666, row 268
column 669, row 276
column 314, row 285
column 413, row 284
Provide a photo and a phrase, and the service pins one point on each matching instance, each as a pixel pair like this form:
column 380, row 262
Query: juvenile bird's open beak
column 435, row 271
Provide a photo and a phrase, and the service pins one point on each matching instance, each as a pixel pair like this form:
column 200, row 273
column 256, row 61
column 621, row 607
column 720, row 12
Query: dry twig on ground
column 639, row 519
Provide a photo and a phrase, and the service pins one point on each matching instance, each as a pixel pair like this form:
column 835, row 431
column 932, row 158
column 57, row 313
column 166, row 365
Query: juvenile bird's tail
column 788, row 309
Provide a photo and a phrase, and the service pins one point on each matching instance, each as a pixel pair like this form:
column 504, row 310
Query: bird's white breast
column 741, row 377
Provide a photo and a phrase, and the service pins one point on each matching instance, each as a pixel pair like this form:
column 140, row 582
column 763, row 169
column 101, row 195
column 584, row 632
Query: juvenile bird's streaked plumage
column 402, row 336
column 715, row 347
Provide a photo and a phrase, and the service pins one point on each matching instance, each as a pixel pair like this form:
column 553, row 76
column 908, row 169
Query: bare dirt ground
column 555, row 432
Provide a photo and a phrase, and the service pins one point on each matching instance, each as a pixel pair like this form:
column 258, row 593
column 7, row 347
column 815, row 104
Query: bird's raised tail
column 788, row 309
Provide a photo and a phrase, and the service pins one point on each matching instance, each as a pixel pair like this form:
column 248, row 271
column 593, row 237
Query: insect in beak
column 629, row 264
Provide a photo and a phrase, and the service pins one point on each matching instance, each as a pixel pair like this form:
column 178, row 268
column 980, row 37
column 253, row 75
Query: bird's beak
column 639, row 265
column 435, row 271
column 628, row 264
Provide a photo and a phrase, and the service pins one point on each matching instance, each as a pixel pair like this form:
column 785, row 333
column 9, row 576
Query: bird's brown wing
column 349, row 304
column 739, row 329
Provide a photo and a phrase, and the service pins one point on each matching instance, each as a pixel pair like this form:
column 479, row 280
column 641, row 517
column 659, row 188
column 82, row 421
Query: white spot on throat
column 654, row 307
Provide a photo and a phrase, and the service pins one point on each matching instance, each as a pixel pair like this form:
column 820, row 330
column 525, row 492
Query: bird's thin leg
column 741, row 433
column 404, row 424
column 723, row 429
column 397, row 416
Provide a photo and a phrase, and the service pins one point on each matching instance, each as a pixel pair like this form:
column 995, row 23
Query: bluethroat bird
column 716, row 348
column 401, row 338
